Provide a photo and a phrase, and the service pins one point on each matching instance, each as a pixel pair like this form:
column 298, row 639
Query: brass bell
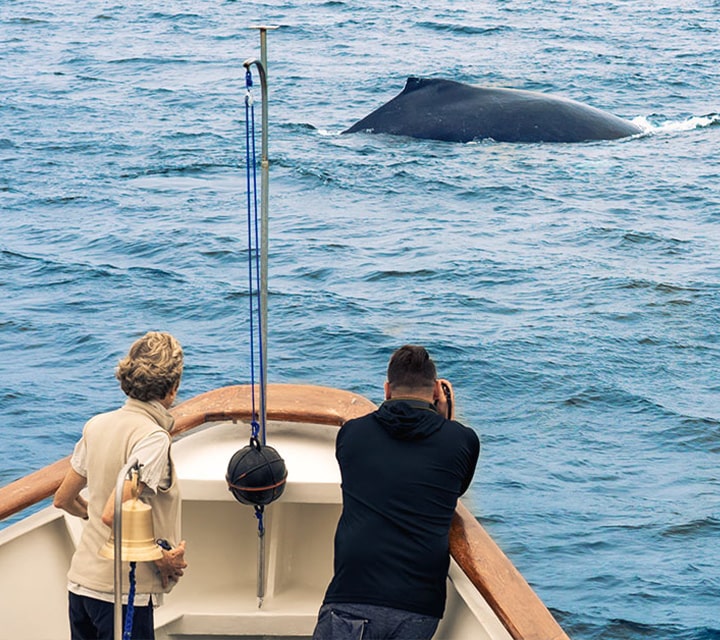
column 138, row 538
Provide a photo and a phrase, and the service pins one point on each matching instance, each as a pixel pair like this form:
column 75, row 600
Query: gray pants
column 371, row 622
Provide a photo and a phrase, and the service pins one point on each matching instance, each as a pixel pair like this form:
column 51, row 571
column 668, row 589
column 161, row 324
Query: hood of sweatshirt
column 408, row 419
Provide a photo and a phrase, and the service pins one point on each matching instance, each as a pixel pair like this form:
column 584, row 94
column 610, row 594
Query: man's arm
column 474, row 446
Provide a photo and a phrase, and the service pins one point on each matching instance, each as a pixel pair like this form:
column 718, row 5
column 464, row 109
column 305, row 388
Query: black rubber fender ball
column 256, row 475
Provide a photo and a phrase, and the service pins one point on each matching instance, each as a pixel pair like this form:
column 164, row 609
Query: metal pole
column 264, row 248
column 261, row 567
column 264, row 231
column 117, row 534
column 265, row 164
column 264, row 224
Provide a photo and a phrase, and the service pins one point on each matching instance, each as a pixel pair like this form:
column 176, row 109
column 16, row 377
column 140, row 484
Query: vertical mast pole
column 264, row 232
column 264, row 226
column 264, row 248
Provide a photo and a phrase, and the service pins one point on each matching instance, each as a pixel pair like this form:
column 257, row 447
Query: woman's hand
column 172, row 565
column 68, row 496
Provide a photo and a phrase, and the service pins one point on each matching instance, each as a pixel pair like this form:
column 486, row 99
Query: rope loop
column 255, row 428
column 254, row 438
column 249, row 101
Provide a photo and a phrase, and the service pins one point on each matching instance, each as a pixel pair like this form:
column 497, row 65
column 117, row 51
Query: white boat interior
column 217, row 597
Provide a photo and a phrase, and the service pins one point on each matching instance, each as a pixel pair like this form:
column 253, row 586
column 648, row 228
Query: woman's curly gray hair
column 152, row 368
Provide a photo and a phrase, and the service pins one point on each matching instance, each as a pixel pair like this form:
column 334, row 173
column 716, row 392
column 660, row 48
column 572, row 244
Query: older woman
column 150, row 376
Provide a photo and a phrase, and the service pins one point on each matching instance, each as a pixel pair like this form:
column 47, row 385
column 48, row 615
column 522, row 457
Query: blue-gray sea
column 571, row 292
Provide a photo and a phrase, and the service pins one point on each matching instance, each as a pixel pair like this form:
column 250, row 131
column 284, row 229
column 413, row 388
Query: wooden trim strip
column 291, row 402
column 33, row 488
column 512, row 599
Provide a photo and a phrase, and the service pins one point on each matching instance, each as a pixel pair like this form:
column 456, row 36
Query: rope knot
column 255, row 426
column 259, row 510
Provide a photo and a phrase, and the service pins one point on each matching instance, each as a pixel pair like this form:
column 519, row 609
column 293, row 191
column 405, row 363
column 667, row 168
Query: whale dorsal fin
column 413, row 83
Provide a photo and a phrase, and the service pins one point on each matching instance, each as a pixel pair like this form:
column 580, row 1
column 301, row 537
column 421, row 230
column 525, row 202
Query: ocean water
column 571, row 292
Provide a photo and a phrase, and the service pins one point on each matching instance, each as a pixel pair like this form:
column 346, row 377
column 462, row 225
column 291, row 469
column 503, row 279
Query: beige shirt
column 107, row 443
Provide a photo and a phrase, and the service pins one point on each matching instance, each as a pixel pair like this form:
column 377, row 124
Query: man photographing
column 403, row 468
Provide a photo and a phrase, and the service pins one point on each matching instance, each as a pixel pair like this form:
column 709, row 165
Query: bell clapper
column 134, row 484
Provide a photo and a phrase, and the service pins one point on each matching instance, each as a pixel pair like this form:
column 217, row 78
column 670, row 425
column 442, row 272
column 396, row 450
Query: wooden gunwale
column 491, row 572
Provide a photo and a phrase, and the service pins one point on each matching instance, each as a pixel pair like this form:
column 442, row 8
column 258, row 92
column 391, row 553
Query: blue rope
column 259, row 510
column 127, row 633
column 253, row 240
column 254, row 284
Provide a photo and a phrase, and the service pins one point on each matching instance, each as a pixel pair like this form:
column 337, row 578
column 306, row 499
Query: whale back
column 438, row 109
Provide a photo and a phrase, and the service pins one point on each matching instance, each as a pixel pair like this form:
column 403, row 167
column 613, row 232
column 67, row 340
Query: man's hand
column 171, row 566
column 445, row 400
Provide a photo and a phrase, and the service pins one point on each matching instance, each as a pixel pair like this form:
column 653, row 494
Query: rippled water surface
column 570, row 291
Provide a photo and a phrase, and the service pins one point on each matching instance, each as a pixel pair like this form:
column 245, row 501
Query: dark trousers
column 92, row 619
column 370, row 622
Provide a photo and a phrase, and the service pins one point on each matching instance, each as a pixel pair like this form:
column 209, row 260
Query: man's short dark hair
column 411, row 367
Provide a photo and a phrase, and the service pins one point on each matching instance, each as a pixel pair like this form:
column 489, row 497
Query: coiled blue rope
column 259, row 511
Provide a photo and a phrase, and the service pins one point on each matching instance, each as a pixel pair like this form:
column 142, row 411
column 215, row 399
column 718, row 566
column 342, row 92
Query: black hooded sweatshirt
column 403, row 468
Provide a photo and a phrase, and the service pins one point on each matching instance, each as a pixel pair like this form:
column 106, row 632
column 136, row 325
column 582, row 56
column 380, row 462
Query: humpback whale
column 439, row 109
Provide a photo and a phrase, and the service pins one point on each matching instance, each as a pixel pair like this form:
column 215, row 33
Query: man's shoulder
column 463, row 431
column 360, row 420
column 357, row 425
